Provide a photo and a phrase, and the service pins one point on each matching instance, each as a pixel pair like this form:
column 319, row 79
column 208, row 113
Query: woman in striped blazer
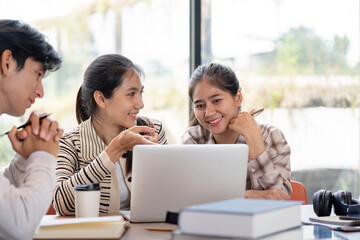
column 99, row 149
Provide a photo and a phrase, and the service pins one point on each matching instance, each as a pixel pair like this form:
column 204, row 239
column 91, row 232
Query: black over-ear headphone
column 343, row 203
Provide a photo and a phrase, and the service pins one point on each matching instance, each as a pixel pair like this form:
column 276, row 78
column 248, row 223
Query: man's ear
column 5, row 61
column 99, row 99
column 238, row 98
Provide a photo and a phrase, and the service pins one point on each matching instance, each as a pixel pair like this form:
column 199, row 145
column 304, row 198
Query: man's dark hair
column 25, row 41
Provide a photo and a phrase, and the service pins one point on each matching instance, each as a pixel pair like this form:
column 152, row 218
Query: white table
column 307, row 211
column 138, row 231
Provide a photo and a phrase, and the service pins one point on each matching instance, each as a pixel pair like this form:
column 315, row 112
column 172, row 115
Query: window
column 302, row 64
column 153, row 34
column 298, row 61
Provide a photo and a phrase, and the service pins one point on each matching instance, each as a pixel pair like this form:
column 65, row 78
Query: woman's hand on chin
column 245, row 125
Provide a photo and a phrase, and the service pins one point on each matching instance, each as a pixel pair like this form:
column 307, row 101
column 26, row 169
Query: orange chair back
column 51, row 210
column 299, row 192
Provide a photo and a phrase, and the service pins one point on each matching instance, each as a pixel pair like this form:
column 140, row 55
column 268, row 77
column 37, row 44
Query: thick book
column 55, row 227
column 240, row 218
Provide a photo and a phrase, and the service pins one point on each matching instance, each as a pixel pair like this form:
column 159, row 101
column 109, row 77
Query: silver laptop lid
column 170, row 177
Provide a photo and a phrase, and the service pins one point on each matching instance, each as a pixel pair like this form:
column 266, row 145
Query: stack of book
column 240, row 218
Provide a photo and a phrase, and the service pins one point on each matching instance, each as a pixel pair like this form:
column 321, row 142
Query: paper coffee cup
column 87, row 200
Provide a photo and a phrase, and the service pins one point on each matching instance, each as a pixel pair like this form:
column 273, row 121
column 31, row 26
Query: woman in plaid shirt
column 217, row 119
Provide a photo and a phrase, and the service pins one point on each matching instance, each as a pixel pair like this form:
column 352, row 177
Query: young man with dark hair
column 27, row 183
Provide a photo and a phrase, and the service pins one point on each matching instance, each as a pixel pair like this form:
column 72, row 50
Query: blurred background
column 299, row 59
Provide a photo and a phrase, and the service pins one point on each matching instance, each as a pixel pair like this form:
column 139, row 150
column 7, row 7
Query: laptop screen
column 170, row 177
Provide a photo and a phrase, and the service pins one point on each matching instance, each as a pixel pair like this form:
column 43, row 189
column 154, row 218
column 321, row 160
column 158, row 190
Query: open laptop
column 170, row 177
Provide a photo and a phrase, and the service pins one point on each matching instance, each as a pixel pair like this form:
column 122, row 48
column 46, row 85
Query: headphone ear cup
column 322, row 202
column 341, row 200
column 348, row 198
column 354, row 207
column 327, row 202
column 355, row 201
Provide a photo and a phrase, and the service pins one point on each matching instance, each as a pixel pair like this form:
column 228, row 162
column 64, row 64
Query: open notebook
column 170, row 177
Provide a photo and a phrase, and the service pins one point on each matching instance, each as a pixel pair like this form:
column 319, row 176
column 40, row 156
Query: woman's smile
column 133, row 115
column 215, row 122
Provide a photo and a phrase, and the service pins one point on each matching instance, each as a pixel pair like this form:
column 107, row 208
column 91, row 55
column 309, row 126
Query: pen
column 257, row 112
column 26, row 124
column 163, row 229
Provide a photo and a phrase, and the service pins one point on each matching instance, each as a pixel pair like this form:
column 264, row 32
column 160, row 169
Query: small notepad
column 53, row 226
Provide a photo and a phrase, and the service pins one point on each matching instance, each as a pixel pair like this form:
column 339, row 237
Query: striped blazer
column 271, row 169
column 82, row 160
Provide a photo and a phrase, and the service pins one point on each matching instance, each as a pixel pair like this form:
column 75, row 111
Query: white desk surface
column 138, row 230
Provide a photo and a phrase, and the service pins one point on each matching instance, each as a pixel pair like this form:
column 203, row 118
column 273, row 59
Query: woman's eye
column 199, row 106
column 131, row 94
column 217, row 100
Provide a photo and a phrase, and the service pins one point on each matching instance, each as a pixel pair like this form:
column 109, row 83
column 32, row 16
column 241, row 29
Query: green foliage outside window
column 301, row 51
